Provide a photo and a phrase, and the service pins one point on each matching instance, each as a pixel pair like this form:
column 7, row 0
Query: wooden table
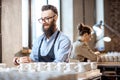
column 90, row 75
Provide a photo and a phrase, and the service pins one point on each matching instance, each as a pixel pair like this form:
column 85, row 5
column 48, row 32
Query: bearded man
column 52, row 45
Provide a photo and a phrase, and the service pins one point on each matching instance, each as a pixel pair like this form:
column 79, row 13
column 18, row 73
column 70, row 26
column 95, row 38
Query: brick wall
column 112, row 19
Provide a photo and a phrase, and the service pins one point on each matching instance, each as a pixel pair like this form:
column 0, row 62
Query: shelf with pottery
column 109, row 65
column 110, row 70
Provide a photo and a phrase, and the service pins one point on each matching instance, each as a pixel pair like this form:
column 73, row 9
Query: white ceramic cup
column 111, row 58
column 115, row 58
column 93, row 65
column 32, row 67
column 60, row 67
column 2, row 65
column 84, row 66
column 41, row 66
column 23, row 67
column 51, row 66
column 118, row 58
column 71, row 67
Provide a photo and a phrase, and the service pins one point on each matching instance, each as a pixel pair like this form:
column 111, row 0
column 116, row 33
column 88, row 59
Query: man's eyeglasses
column 46, row 19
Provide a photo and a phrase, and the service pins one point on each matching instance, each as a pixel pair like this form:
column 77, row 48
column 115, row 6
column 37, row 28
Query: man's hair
column 50, row 7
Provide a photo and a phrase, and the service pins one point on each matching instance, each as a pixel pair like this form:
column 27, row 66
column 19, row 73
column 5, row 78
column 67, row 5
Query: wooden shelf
column 110, row 70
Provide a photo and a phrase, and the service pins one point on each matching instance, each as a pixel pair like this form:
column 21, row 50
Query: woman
column 81, row 50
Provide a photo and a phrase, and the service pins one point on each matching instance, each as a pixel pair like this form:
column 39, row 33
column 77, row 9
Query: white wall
column 11, row 29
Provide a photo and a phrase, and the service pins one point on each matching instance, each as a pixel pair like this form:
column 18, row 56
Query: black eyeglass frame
column 46, row 19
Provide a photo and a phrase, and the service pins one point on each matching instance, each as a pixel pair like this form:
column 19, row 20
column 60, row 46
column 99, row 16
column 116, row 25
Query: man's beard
column 48, row 32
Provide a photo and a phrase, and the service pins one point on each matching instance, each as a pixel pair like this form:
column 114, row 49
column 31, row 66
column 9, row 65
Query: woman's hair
column 49, row 7
column 84, row 29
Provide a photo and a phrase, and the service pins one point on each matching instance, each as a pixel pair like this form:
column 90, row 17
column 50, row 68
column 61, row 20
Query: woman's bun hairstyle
column 80, row 26
column 83, row 29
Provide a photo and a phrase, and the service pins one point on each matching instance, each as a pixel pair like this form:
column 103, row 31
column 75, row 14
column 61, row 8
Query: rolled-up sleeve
column 34, row 53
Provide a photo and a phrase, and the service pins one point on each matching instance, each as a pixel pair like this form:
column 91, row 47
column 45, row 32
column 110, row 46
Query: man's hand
column 18, row 60
column 15, row 60
column 24, row 59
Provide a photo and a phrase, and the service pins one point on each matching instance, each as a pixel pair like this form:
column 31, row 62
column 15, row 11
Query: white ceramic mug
column 3, row 65
column 93, row 65
column 83, row 67
column 32, row 67
column 71, row 67
column 50, row 66
column 23, row 67
column 41, row 66
column 60, row 67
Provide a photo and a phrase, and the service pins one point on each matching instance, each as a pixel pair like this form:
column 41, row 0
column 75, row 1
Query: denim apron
column 50, row 57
